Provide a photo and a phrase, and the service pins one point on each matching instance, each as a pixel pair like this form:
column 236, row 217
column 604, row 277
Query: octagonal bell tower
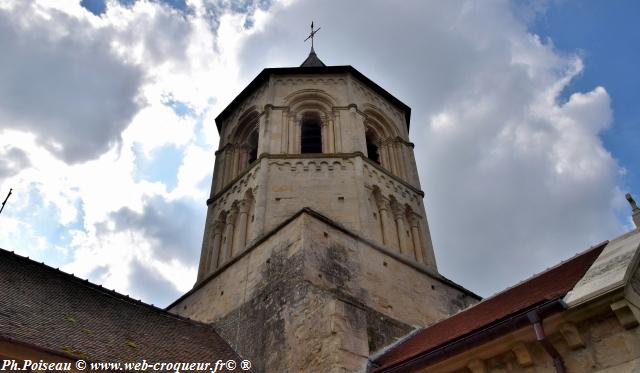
column 316, row 250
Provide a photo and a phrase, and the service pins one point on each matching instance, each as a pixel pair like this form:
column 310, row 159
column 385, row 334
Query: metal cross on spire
column 312, row 34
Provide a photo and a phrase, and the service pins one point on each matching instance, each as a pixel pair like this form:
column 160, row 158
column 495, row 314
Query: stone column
column 227, row 245
column 291, row 124
column 206, row 246
column 385, row 220
column 384, row 155
column 337, row 132
column 217, row 173
column 324, row 132
column 284, row 135
column 214, row 259
column 243, row 159
column 243, row 208
column 414, row 222
column 394, row 158
column 234, row 164
column 401, row 160
column 398, row 215
column 427, row 246
column 228, row 163
column 264, row 140
column 331, row 137
column 260, row 199
column 297, row 133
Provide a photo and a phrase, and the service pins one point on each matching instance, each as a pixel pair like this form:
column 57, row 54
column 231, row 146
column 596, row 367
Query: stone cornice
column 312, row 156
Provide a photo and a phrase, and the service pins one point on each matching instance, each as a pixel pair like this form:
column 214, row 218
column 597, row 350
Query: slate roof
column 56, row 312
column 547, row 286
column 312, row 60
column 264, row 75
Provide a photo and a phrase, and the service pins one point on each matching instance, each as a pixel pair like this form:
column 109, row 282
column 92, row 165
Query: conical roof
column 312, row 60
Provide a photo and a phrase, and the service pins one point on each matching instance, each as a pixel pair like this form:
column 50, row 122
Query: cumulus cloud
column 169, row 226
column 60, row 81
column 14, row 160
column 147, row 283
column 516, row 178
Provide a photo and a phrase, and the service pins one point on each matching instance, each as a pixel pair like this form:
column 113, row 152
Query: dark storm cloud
column 60, row 81
column 149, row 285
column 12, row 160
column 173, row 228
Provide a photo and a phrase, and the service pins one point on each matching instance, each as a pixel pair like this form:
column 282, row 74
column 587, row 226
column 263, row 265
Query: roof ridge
column 101, row 289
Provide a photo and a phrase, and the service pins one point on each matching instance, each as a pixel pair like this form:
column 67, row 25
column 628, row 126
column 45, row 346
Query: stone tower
column 316, row 249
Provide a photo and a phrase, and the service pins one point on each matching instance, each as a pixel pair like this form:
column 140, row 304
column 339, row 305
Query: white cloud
column 60, row 81
column 516, row 179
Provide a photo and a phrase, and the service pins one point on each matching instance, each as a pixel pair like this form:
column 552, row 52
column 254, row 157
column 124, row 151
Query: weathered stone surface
column 378, row 198
column 313, row 297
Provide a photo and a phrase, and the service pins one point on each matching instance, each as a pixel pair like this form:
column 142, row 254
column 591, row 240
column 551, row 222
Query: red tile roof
column 61, row 314
column 552, row 284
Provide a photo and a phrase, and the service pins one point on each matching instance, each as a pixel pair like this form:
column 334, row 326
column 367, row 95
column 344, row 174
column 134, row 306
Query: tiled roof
column 552, row 284
column 59, row 313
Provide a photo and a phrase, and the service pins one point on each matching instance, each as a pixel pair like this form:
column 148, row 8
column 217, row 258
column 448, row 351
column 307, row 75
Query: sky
column 524, row 120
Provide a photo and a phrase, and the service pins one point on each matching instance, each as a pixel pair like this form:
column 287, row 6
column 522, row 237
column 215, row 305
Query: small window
column 372, row 148
column 311, row 135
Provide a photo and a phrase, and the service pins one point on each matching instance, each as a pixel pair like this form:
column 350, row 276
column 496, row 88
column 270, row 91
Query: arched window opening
column 311, row 135
column 372, row 148
column 252, row 142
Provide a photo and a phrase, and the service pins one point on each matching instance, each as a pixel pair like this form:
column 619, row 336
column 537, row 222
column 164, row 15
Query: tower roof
column 306, row 69
column 312, row 60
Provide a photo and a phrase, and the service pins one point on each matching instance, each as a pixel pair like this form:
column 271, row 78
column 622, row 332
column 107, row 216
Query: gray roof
column 53, row 311
column 316, row 69
column 312, row 60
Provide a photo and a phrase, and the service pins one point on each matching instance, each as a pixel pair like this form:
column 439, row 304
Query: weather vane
column 312, row 34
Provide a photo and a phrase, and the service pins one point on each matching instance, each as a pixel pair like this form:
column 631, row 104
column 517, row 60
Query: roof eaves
column 488, row 332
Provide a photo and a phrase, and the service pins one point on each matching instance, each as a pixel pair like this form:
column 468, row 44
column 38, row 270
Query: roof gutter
column 513, row 323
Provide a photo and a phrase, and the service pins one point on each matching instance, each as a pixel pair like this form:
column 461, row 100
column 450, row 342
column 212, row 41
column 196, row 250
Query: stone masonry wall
column 312, row 298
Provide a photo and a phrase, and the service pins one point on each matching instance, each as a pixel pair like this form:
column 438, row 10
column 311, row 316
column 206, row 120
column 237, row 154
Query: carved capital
column 243, row 206
column 217, row 227
column 381, row 201
column 397, row 210
column 414, row 220
column 231, row 216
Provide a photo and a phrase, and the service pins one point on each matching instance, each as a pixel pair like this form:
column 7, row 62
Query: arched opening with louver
column 311, row 134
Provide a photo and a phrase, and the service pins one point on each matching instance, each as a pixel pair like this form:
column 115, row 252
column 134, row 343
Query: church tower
column 316, row 250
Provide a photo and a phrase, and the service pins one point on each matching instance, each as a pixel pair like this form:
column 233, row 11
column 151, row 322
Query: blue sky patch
column 162, row 166
column 605, row 34
column 180, row 108
column 98, row 7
